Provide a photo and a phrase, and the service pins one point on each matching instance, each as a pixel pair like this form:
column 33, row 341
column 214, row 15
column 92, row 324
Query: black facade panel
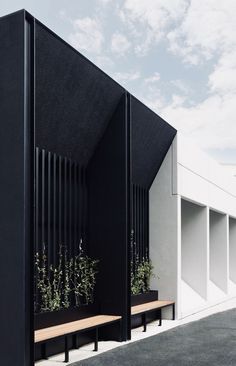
column 16, row 200
column 74, row 99
column 151, row 138
column 108, row 184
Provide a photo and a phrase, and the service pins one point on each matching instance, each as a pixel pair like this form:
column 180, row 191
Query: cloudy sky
column 177, row 56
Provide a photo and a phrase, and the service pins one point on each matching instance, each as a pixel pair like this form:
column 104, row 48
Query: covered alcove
column 67, row 124
column 81, row 173
column 150, row 139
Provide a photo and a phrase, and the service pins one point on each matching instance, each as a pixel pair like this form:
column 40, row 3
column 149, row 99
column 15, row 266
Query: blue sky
column 177, row 56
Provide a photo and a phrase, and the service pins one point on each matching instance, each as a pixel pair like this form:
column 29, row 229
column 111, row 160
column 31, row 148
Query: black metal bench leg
column 173, row 312
column 121, row 328
column 144, row 322
column 66, row 350
column 96, row 340
column 75, row 341
column 160, row 320
column 44, row 351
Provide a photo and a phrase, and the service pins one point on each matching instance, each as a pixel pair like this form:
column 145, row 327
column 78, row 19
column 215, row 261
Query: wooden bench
column 143, row 309
column 73, row 328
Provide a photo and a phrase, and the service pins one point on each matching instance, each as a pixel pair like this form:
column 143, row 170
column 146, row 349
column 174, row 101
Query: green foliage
column 141, row 276
column 83, row 278
column 49, row 282
column 57, row 284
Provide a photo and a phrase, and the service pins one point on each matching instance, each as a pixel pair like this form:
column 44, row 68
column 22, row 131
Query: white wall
column 232, row 249
column 203, row 180
column 194, row 247
column 219, row 250
column 163, row 216
column 188, row 174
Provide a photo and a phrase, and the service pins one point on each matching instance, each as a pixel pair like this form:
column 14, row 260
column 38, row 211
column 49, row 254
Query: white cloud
column 210, row 123
column 207, row 29
column 104, row 1
column 87, row 35
column 223, row 79
column 119, row 44
column 124, row 77
column 148, row 20
column 194, row 30
column 104, row 62
column 152, row 79
column 182, row 86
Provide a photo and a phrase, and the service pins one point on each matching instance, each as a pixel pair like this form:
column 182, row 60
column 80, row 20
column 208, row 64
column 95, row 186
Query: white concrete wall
column 203, row 180
column 219, row 250
column 232, row 249
column 194, row 252
column 193, row 270
column 163, row 216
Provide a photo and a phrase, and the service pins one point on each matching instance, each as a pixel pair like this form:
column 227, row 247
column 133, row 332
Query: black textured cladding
column 151, row 138
column 16, row 155
column 74, row 99
column 109, row 224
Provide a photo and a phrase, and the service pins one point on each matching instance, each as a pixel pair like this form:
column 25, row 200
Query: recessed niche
column 194, row 250
column 232, row 249
column 218, row 250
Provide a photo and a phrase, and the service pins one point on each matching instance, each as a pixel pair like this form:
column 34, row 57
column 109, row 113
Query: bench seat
column 143, row 309
column 63, row 330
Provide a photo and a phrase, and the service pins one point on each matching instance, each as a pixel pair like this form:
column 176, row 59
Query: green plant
column 83, row 278
column 54, row 288
column 56, row 283
column 141, row 276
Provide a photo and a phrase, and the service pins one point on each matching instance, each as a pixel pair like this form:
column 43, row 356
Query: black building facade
column 78, row 156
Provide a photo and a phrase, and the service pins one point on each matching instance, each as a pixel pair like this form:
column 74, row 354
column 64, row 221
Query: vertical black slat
column 140, row 218
column 60, row 200
column 132, row 220
column 37, row 200
column 43, row 197
column 54, row 242
column 84, row 216
column 143, row 222
column 49, row 205
column 65, row 201
column 75, row 198
column 69, row 245
column 138, row 225
column 134, row 226
column 136, row 222
column 82, row 202
column 147, row 221
column 36, row 249
column 79, row 204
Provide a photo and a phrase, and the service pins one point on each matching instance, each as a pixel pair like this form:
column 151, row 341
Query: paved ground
column 207, row 342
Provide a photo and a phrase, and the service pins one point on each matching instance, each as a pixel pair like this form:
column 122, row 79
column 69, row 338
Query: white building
column 193, row 229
